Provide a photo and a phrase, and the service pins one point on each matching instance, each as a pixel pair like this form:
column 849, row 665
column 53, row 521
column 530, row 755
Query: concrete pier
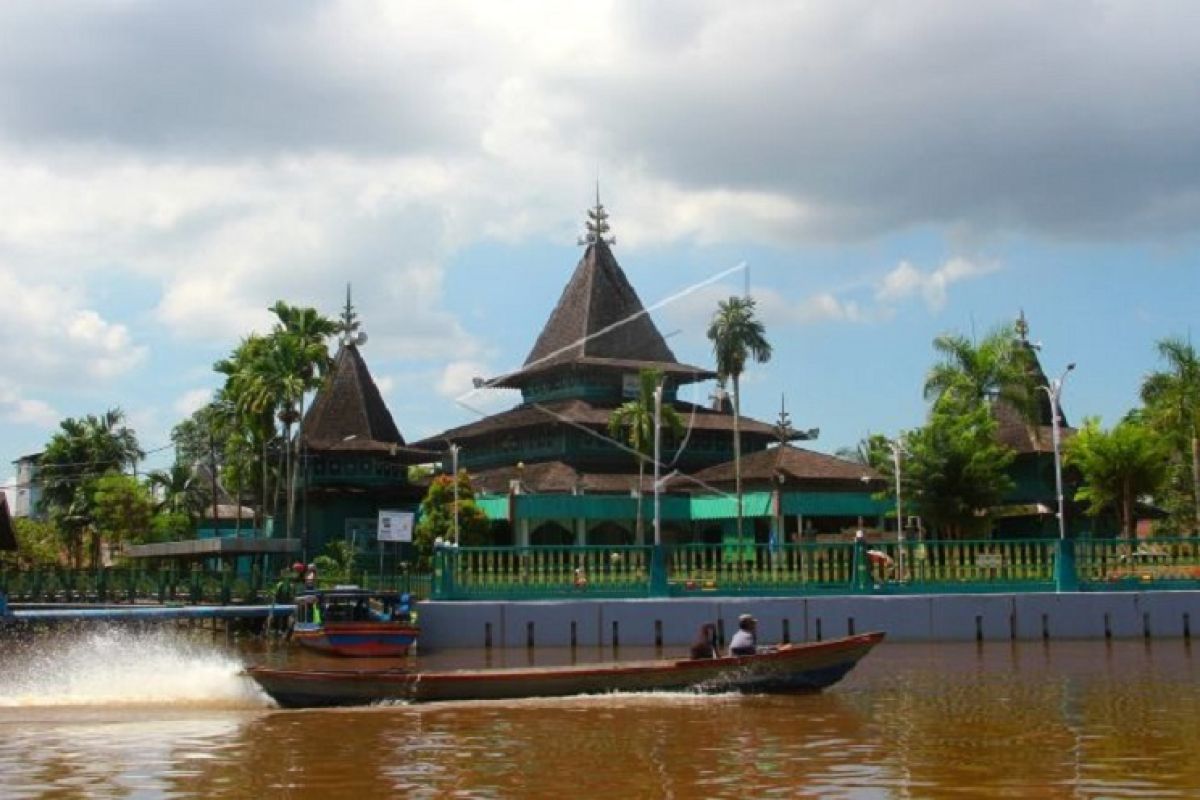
column 917, row 618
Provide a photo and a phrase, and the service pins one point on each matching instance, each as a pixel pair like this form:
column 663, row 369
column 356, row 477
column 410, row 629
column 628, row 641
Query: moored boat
column 786, row 669
column 348, row 621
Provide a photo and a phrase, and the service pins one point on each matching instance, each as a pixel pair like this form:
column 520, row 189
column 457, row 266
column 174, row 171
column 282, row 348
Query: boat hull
column 357, row 639
column 789, row 669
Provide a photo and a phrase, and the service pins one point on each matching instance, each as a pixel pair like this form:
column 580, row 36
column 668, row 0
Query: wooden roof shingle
column 599, row 321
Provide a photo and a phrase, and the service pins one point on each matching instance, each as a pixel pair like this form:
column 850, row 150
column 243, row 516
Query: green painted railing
column 514, row 573
column 1015, row 565
column 195, row 586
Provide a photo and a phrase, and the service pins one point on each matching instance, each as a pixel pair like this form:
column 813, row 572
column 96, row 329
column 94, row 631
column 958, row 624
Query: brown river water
column 150, row 715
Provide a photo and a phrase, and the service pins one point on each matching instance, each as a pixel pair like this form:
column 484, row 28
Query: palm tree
column 1172, row 399
column 178, row 491
column 81, row 452
column 737, row 336
column 999, row 367
column 633, row 421
column 1118, row 466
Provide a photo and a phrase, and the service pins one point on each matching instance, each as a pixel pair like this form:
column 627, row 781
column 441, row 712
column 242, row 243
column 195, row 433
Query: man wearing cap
column 744, row 642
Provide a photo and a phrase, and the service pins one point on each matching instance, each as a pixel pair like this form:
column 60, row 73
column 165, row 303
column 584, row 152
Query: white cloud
column 906, row 281
column 58, row 337
column 192, row 401
column 20, row 410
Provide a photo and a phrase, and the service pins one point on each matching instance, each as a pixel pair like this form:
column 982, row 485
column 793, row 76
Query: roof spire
column 784, row 431
column 351, row 335
column 597, row 224
column 1022, row 327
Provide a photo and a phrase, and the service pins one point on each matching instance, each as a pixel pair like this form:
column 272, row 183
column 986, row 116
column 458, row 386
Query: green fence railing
column 913, row 567
column 544, row 572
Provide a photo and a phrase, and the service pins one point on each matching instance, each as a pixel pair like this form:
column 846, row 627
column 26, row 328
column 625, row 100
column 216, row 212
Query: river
column 147, row 715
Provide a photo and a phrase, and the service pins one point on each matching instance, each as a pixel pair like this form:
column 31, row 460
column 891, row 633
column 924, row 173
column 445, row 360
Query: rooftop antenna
column 783, row 426
column 351, row 335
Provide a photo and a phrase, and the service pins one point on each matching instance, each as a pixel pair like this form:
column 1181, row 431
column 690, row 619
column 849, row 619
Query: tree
column 999, row 367
column 336, row 565
column 39, row 544
column 954, row 468
column 633, row 422
column 82, row 451
column 737, row 336
column 1172, row 399
column 179, row 492
column 437, row 516
column 1118, row 466
column 871, row 451
column 122, row 509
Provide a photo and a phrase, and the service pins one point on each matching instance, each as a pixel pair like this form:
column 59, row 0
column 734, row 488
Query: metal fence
column 527, row 573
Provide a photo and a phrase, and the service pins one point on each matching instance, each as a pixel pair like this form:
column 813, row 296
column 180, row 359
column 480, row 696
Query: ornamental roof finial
column 597, row 224
column 1022, row 327
column 349, row 325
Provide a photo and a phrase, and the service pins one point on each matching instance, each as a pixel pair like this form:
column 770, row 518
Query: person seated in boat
column 745, row 640
column 404, row 610
column 360, row 610
column 705, row 645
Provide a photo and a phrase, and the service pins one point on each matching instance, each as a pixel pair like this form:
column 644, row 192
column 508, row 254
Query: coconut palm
column 999, row 367
column 737, row 336
column 633, row 421
column 1172, row 399
column 177, row 491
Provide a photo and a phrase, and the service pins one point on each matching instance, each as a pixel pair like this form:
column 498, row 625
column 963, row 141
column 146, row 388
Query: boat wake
column 114, row 667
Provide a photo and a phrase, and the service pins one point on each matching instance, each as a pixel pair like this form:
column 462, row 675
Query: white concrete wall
column 674, row 623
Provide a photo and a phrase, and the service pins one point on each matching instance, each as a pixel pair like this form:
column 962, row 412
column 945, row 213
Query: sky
column 881, row 172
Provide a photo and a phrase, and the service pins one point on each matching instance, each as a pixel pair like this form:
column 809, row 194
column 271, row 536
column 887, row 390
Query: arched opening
column 610, row 534
column 551, row 534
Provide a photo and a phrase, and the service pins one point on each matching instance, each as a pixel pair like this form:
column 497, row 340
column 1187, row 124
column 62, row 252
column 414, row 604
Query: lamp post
column 1054, row 392
column 897, row 447
column 658, row 397
column 454, row 471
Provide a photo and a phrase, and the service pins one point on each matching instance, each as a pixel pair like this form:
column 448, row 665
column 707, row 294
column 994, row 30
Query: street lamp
column 454, row 471
column 897, row 447
column 658, row 398
column 1054, row 392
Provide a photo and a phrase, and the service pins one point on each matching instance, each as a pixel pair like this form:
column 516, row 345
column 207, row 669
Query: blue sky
column 886, row 172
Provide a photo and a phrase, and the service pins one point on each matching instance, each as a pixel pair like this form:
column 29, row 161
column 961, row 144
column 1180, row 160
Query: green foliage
column 180, row 492
column 953, row 468
column 39, row 544
column 171, row 526
column 437, row 517
column 1172, row 408
column 1118, row 466
column 336, row 564
column 266, row 379
column 122, row 509
column 81, row 452
column 999, row 367
column 737, row 336
column 633, row 422
column 871, row 451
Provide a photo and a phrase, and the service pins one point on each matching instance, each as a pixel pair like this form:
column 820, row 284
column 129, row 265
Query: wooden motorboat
column 786, row 669
column 348, row 621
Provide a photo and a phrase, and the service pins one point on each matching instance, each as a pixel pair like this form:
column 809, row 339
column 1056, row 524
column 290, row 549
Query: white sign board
column 631, row 385
column 395, row 526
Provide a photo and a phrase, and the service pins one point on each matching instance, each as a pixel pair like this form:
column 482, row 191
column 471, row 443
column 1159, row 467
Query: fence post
column 1066, row 577
column 443, row 573
column 860, row 567
column 658, row 571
